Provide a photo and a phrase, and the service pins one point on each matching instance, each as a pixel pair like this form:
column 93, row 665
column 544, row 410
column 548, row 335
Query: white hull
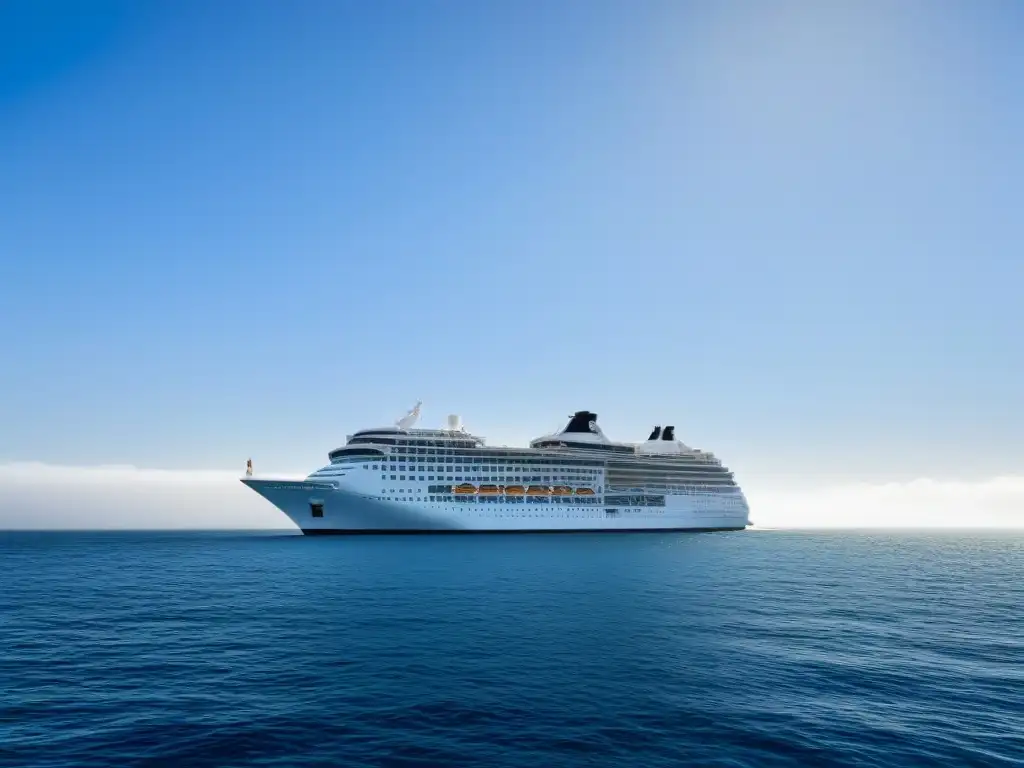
column 345, row 510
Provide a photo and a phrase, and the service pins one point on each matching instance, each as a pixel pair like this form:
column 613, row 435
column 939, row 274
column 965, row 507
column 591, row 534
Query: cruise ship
column 401, row 479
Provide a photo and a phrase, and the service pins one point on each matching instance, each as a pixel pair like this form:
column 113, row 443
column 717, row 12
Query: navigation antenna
column 410, row 418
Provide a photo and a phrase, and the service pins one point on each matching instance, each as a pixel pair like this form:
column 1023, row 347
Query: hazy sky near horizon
column 39, row 496
column 792, row 229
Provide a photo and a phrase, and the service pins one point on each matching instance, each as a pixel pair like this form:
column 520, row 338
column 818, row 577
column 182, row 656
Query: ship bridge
column 377, row 441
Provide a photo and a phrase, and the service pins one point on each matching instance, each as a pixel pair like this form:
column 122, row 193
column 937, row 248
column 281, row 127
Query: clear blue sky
column 793, row 229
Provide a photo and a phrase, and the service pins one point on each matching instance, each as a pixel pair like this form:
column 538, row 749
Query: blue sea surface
column 725, row 649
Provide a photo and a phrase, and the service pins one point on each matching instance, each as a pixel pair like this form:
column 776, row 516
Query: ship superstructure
column 402, row 479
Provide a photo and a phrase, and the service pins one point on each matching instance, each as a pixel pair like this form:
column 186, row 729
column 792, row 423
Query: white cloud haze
column 41, row 496
column 923, row 503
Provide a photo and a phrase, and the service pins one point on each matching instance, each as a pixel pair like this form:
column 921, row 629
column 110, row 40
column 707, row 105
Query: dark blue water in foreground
column 752, row 648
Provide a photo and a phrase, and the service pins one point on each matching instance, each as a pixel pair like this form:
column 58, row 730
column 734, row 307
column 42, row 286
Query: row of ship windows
column 586, row 500
column 497, row 499
column 591, row 473
column 643, row 500
column 688, row 471
column 458, row 448
column 687, row 488
column 643, row 486
column 423, row 454
column 691, row 489
column 487, row 479
column 447, row 488
column 619, row 477
column 675, row 487
column 634, row 512
column 462, row 457
column 545, row 463
column 459, row 463
column 597, row 447
column 453, row 447
column 455, row 499
column 434, row 444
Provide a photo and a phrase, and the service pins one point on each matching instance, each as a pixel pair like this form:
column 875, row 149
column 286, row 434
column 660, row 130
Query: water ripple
column 751, row 649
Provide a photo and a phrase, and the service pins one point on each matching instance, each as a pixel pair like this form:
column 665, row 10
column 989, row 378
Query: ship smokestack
column 454, row 423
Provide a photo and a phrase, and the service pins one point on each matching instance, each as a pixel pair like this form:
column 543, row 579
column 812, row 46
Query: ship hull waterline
column 319, row 509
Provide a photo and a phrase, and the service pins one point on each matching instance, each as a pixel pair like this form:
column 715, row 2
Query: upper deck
column 570, row 447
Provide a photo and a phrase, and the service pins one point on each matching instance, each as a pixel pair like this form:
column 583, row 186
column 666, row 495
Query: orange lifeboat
column 561, row 490
column 584, row 491
column 514, row 490
column 465, row 488
column 538, row 490
column 489, row 490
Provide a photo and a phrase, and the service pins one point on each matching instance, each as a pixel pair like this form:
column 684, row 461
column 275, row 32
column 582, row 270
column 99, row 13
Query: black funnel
column 580, row 422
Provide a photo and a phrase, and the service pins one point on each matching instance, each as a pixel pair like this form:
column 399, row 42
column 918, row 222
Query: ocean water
column 726, row 649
